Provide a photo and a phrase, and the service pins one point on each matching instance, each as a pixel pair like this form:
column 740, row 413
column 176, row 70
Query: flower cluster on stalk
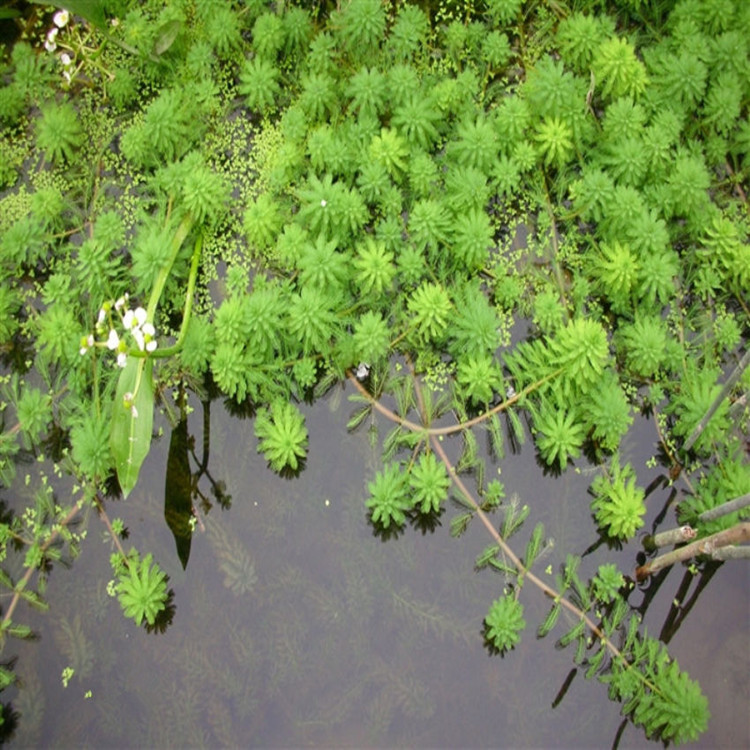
column 135, row 324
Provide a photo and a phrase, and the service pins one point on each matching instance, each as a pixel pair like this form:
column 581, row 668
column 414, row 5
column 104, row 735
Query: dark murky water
column 296, row 626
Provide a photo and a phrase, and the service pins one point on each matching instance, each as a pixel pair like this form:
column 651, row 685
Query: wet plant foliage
column 492, row 219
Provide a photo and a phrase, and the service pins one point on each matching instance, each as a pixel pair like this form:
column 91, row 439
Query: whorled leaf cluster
column 395, row 181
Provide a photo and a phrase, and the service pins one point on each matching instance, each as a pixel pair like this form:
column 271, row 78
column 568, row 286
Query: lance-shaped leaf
column 132, row 420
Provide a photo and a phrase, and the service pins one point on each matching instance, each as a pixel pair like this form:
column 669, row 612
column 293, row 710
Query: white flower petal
column 138, row 336
column 122, row 359
column 148, row 329
column 151, row 346
column 61, row 18
column 114, row 340
column 140, row 316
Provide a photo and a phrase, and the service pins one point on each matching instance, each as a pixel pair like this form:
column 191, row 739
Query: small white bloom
column 148, row 329
column 138, row 336
column 134, row 318
column 66, row 75
column 86, row 343
column 323, row 203
column 61, row 18
column 121, row 302
column 102, row 317
column 363, row 370
column 127, row 399
column 134, row 411
column 52, row 35
column 50, row 45
column 122, row 359
column 65, row 59
column 113, row 341
column 151, row 345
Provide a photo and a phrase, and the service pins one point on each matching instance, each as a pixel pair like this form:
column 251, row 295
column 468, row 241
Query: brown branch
column 736, row 535
column 523, row 571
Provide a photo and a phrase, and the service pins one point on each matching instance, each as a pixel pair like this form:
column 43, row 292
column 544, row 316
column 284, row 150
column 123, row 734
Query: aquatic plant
column 141, row 588
column 282, row 435
column 429, row 482
column 618, row 501
column 389, row 192
column 388, row 499
column 504, row 623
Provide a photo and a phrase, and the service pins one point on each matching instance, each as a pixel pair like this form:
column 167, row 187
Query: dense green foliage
column 373, row 185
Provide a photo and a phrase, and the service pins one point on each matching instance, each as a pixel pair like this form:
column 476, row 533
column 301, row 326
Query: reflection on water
column 296, row 626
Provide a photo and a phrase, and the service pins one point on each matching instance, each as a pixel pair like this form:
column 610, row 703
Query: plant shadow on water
column 296, row 624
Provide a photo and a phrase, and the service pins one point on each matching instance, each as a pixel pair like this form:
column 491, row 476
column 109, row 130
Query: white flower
column 101, row 318
column 50, row 45
column 151, row 345
column 113, row 342
column 323, row 203
column 363, row 370
column 65, row 59
column 122, row 359
column 61, row 18
column 122, row 302
column 148, row 329
column 86, row 343
column 134, row 411
column 137, row 334
column 66, row 75
column 134, row 319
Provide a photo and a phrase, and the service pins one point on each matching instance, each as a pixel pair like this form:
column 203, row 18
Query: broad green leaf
column 91, row 10
column 130, row 436
column 165, row 36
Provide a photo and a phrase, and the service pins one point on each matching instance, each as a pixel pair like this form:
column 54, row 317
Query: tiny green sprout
column 651, row 463
column 88, row 694
column 118, row 526
column 111, row 588
column 548, row 569
column 67, row 675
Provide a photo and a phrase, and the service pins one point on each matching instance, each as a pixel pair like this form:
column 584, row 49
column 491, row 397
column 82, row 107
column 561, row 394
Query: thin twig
column 735, row 535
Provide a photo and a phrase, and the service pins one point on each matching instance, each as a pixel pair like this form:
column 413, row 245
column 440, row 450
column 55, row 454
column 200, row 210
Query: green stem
column 170, row 350
column 182, row 232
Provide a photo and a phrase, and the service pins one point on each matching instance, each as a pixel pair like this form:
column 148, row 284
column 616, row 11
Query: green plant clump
column 486, row 218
